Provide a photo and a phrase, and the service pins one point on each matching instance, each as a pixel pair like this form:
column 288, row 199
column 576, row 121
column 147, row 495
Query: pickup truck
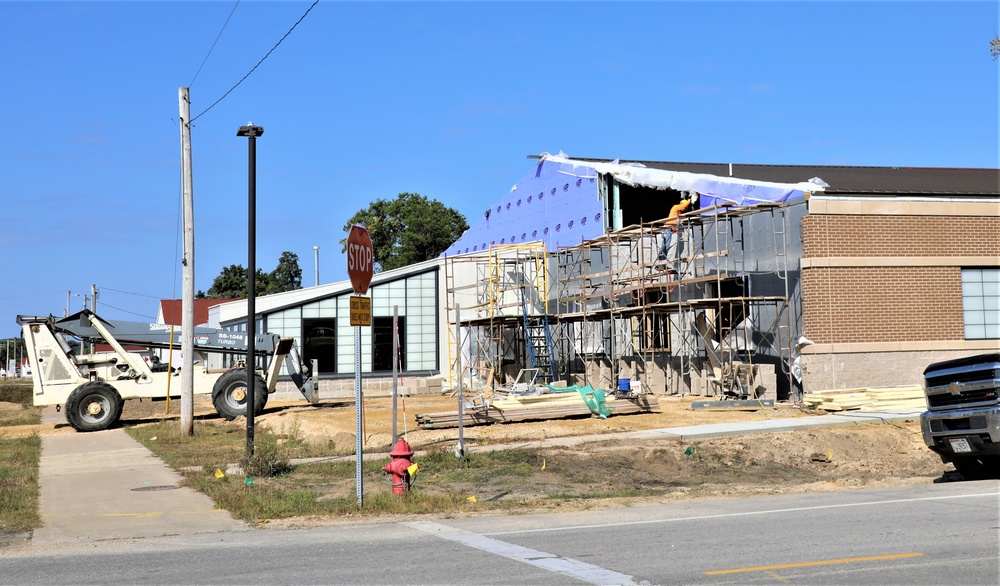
column 962, row 421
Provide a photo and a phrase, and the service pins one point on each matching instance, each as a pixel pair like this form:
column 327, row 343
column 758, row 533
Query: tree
column 232, row 281
column 287, row 276
column 995, row 46
column 408, row 229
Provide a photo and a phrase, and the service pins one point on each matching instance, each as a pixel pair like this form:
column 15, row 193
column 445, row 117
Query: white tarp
column 713, row 189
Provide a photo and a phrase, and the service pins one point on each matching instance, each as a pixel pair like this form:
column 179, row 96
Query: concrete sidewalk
column 714, row 430
column 104, row 485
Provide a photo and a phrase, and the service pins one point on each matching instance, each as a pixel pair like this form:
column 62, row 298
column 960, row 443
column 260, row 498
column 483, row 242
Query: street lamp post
column 251, row 132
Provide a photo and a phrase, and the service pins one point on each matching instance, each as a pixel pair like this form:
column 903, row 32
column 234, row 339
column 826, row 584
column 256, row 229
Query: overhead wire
column 128, row 292
column 212, row 48
column 313, row 5
column 149, row 317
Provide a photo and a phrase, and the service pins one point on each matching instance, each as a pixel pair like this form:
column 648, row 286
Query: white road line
column 547, row 561
column 740, row 514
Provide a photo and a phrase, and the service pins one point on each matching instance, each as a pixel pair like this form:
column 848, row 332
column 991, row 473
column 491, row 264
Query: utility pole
column 93, row 306
column 187, row 263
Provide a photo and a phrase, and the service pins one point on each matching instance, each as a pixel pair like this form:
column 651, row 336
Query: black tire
column 981, row 468
column 229, row 394
column 94, row 406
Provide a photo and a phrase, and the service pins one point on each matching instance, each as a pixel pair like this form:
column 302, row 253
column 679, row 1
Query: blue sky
column 365, row 100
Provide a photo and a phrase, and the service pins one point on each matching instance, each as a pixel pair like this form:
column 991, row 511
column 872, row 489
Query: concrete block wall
column 821, row 372
column 372, row 386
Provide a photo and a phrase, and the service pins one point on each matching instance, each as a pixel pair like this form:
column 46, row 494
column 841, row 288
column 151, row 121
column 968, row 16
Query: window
column 981, row 303
column 320, row 343
column 382, row 343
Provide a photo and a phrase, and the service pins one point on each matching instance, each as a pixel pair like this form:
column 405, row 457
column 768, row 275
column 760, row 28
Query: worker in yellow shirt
column 673, row 245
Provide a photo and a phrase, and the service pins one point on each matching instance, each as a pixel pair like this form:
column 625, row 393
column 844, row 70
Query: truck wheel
column 94, row 406
column 972, row 468
column 229, row 395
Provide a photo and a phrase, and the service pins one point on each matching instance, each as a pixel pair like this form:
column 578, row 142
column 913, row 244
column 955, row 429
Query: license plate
column 960, row 445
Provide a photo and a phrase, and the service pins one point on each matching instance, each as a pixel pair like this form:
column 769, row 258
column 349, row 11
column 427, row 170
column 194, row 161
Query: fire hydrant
column 400, row 467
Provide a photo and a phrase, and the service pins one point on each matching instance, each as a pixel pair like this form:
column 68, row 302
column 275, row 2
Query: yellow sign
column 361, row 311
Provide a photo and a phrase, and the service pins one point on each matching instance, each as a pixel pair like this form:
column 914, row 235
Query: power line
column 214, row 42
column 259, row 62
column 127, row 311
column 129, row 293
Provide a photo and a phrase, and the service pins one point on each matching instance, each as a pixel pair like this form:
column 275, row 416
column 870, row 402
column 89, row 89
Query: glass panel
column 974, row 332
column 972, row 288
column 973, row 303
column 975, row 317
column 972, row 275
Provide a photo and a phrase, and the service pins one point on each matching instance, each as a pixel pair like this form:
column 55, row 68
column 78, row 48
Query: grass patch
column 217, row 445
column 270, row 487
column 18, row 393
column 19, row 483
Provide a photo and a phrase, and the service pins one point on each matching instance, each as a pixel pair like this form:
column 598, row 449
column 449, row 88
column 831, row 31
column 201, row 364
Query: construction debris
column 867, row 399
column 539, row 407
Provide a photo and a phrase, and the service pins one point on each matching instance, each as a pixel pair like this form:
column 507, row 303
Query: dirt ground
column 813, row 460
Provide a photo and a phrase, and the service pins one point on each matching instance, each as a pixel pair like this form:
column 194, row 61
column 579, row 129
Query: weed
column 266, row 459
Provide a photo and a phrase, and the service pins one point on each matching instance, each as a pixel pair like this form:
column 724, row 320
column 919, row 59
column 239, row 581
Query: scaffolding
column 507, row 322
column 696, row 323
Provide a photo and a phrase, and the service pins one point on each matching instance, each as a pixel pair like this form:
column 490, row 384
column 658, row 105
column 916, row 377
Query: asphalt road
column 926, row 534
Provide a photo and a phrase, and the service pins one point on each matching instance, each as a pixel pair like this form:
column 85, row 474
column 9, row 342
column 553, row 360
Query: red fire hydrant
column 400, row 466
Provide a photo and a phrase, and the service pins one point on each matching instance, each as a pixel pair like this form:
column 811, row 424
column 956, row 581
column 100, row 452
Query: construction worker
column 673, row 245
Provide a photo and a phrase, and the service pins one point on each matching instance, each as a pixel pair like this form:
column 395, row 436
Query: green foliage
column 231, row 283
column 267, row 459
column 287, row 276
column 19, row 483
column 408, row 229
column 995, row 47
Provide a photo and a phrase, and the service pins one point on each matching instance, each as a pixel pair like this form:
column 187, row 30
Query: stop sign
column 360, row 258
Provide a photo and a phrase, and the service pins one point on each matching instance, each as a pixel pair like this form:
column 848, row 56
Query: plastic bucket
column 624, row 384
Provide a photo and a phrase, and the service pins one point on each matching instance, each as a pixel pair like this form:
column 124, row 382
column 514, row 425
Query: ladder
column 538, row 342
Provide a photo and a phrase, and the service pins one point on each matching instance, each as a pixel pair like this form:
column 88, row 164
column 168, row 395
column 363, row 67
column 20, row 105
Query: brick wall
column 858, row 235
column 882, row 304
column 872, row 304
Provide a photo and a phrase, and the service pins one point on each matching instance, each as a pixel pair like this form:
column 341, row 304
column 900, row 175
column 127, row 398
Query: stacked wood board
column 532, row 408
column 867, row 399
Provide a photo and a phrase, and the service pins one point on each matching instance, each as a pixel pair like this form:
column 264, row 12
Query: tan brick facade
column 882, row 304
column 882, row 288
column 887, row 236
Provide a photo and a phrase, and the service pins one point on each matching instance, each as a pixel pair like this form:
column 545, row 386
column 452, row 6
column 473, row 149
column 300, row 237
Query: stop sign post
column 360, row 259
column 360, row 267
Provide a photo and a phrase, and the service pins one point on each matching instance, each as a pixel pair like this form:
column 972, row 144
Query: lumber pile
column 533, row 408
column 867, row 399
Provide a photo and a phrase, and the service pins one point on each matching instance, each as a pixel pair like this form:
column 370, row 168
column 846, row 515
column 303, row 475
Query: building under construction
column 789, row 279
column 711, row 315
